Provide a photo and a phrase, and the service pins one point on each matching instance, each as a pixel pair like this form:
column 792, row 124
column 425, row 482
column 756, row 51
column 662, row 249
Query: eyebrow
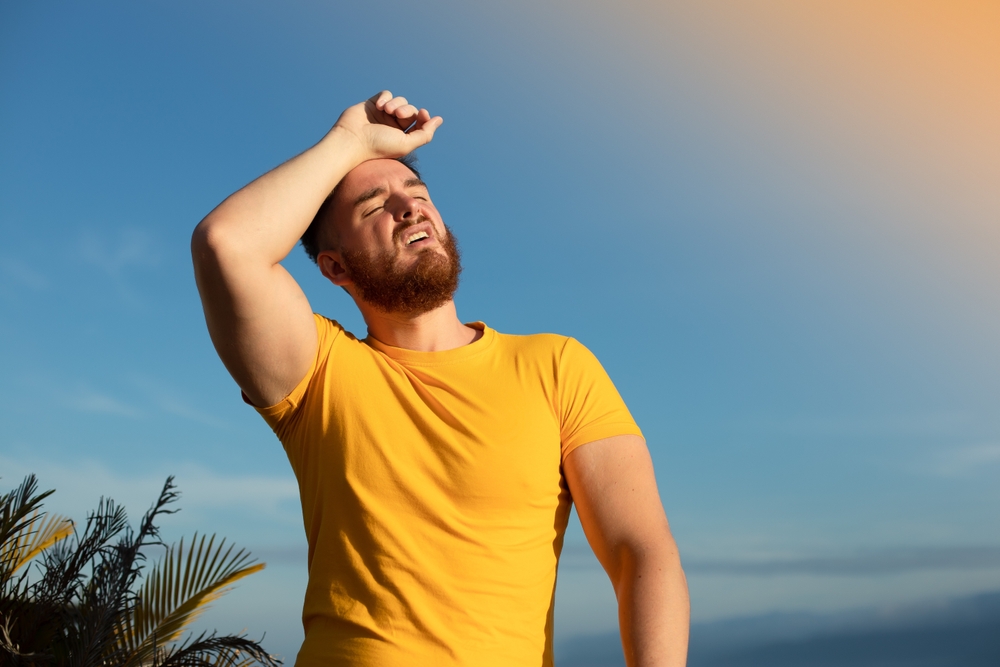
column 379, row 190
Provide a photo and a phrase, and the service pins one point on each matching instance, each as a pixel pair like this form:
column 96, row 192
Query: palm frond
column 19, row 504
column 178, row 590
column 108, row 596
column 84, row 609
column 19, row 510
column 214, row 651
column 31, row 540
column 67, row 562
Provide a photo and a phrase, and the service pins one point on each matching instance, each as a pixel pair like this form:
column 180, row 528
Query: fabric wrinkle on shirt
column 432, row 493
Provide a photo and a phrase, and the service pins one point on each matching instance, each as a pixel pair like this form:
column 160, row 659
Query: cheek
column 359, row 236
column 373, row 240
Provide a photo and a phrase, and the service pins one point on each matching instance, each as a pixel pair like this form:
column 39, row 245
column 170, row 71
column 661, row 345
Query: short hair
column 311, row 241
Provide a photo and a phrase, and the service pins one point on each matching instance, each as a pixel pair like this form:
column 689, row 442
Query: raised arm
column 258, row 317
column 614, row 489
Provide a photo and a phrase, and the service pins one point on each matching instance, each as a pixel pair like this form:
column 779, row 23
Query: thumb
column 422, row 133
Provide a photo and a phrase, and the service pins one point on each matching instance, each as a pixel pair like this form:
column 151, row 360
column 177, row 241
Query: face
column 394, row 251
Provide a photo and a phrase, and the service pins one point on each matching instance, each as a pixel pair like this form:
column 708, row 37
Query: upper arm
column 614, row 488
column 258, row 317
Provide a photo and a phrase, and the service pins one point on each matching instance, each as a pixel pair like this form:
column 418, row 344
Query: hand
column 387, row 126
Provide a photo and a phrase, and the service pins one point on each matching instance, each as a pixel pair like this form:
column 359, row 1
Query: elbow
column 202, row 251
column 215, row 250
column 643, row 558
column 210, row 241
column 204, row 237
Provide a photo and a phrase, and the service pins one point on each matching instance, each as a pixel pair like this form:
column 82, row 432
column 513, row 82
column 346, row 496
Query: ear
column 331, row 266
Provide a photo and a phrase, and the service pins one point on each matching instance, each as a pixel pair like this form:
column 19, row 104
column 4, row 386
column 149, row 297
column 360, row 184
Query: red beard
column 430, row 282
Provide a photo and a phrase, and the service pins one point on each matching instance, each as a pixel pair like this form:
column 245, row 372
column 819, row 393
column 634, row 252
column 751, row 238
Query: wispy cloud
column 147, row 396
column 174, row 402
column 967, row 459
column 943, row 422
column 114, row 254
column 873, row 562
column 866, row 563
column 79, row 484
column 85, row 399
column 117, row 255
column 22, row 274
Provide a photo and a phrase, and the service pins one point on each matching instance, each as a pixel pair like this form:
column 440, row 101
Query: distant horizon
column 965, row 623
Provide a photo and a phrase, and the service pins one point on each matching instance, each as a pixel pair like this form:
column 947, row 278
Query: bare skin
column 615, row 492
column 262, row 326
column 373, row 224
column 259, row 319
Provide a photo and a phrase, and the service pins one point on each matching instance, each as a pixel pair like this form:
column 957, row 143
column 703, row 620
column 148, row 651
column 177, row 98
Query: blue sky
column 777, row 227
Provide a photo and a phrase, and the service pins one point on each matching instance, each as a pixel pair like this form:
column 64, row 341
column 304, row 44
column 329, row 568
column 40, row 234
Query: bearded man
column 436, row 460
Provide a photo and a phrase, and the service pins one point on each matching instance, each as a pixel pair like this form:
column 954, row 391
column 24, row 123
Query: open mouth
column 416, row 237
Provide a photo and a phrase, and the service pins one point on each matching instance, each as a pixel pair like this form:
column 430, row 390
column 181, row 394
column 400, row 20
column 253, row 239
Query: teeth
column 416, row 237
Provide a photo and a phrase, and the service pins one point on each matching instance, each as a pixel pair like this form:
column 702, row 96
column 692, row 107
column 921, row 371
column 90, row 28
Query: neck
column 434, row 331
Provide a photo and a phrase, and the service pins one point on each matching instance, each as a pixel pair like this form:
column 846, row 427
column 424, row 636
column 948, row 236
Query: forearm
column 264, row 220
column 259, row 318
column 653, row 608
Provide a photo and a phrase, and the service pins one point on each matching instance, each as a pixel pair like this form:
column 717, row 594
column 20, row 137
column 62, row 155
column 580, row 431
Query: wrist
column 347, row 145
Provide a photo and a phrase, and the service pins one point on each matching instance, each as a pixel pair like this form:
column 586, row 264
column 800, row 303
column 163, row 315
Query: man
column 436, row 460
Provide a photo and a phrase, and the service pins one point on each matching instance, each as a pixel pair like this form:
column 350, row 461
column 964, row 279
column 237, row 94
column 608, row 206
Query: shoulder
column 545, row 344
column 558, row 350
column 330, row 331
column 324, row 323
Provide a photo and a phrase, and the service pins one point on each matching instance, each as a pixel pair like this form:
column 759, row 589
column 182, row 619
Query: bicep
column 259, row 319
column 614, row 488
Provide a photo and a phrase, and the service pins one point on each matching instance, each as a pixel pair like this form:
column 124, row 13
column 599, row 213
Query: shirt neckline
column 420, row 358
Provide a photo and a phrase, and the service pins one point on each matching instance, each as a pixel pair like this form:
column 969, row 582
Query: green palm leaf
column 214, row 651
column 18, row 512
column 29, row 541
column 178, row 590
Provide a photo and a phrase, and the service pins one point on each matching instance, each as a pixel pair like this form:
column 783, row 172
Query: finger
column 407, row 112
column 421, row 119
column 393, row 104
column 423, row 132
column 380, row 99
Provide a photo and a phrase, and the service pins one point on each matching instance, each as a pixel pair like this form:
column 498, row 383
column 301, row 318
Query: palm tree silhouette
column 85, row 607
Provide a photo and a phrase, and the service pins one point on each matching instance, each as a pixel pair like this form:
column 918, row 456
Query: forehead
column 371, row 174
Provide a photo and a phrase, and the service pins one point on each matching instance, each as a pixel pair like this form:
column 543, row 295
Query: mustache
column 409, row 223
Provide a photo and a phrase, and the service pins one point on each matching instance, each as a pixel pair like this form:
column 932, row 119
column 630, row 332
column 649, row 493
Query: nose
column 407, row 208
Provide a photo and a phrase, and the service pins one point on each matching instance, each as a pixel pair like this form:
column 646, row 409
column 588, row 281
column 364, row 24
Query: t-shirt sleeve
column 590, row 406
column 277, row 415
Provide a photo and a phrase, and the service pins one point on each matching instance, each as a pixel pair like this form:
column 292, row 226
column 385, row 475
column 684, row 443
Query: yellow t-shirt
column 433, row 496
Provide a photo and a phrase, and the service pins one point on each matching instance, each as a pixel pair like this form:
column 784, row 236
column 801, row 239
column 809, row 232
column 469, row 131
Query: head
column 379, row 236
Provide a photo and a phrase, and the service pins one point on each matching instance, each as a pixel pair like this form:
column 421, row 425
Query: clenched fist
column 387, row 127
